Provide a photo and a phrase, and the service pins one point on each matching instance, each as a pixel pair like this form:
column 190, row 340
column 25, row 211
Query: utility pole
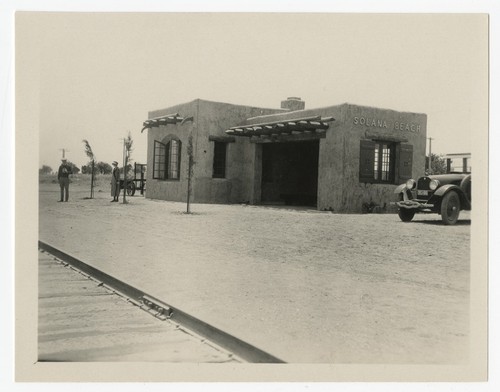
column 430, row 154
column 64, row 150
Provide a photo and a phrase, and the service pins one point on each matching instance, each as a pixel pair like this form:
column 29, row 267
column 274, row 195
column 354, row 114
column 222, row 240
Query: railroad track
column 238, row 350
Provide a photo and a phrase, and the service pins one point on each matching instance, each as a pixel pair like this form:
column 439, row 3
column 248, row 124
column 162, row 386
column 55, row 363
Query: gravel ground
column 303, row 285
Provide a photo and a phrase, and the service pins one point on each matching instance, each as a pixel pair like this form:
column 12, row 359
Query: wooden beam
column 282, row 121
column 281, row 128
column 162, row 120
column 287, row 138
column 165, row 116
column 224, row 139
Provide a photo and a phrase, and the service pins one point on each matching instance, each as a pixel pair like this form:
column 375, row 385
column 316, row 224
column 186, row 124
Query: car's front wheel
column 450, row 208
column 405, row 214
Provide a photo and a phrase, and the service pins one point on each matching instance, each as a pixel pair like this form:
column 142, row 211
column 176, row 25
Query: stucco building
column 458, row 162
column 336, row 158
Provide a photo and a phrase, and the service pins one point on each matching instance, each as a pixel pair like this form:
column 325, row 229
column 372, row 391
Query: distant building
column 333, row 158
column 458, row 163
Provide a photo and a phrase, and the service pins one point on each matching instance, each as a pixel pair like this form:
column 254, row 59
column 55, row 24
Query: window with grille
column 219, row 166
column 385, row 161
column 159, row 160
column 166, row 160
column 383, row 167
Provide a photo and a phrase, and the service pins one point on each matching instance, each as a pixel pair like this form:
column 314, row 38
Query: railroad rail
column 163, row 310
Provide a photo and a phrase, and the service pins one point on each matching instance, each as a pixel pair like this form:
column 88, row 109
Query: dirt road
column 305, row 286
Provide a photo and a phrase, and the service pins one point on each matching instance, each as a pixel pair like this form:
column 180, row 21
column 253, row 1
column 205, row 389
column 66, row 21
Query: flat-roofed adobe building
column 458, row 162
column 336, row 158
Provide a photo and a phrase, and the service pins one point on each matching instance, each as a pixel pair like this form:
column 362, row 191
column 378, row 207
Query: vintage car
column 444, row 194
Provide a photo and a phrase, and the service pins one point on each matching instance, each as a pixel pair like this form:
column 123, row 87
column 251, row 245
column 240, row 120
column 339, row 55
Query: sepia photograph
column 251, row 196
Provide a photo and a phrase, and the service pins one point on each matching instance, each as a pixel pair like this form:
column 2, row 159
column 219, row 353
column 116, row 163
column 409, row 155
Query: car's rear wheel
column 450, row 208
column 405, row 214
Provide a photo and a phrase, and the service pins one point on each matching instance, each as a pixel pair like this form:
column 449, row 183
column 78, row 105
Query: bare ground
column 306, row 286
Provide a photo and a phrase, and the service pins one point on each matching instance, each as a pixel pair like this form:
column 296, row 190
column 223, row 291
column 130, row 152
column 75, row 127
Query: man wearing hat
column 63, row 177
column 115, row 182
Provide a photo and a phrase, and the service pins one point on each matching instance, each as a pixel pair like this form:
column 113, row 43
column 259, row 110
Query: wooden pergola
column 174, row 118
column 316, row 125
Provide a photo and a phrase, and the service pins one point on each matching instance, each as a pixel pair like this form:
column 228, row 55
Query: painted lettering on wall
column 380, row 123
column 370, row 122
column 409, row 127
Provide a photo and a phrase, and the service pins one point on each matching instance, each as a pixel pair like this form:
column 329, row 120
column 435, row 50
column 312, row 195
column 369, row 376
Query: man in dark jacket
column 63, row 177
column 115, row 182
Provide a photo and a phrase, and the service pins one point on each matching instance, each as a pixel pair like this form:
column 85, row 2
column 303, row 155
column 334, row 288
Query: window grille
column 159, row 160
column 166, row 160
column 382, row 161
column 383, row 166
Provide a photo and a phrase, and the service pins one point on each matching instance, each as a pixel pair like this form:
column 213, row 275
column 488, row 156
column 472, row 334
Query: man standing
column 63, row 177
column 115, row 182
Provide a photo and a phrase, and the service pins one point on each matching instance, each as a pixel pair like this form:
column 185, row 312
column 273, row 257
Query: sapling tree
column 127, row 153
column 190, row 171
column 91, row 156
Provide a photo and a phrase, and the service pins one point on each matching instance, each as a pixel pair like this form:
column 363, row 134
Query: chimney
column 293, row 103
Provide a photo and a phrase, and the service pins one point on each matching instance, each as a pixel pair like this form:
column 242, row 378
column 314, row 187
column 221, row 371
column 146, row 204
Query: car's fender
column 445, row 189
column 400, row 188
column 465, row 186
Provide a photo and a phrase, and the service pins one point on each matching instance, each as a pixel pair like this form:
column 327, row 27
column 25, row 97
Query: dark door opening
column 290, row 173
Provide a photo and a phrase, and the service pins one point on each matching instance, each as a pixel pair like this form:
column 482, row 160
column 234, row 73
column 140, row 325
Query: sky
column 100, row 74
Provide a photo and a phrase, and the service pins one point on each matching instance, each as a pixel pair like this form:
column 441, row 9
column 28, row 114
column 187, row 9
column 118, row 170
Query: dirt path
column 305, row 286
